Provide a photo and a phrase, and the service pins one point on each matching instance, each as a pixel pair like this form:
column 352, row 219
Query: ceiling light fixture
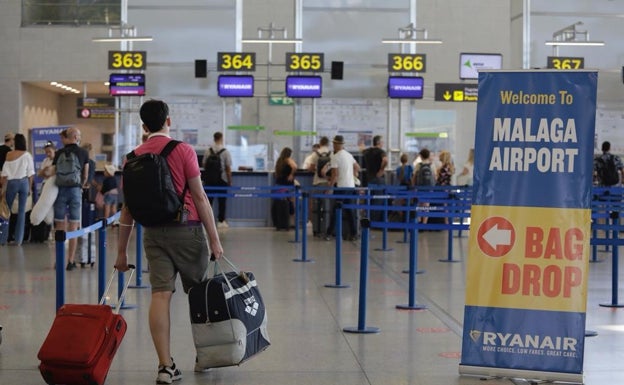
column 410, row 35
column 570, row 36
column 64, row 87
column 120, row 39
column 127, row 33
column 270, row 39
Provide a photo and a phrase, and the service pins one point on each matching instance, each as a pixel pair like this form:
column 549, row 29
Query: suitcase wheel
column 91, row 381
column 47, row 377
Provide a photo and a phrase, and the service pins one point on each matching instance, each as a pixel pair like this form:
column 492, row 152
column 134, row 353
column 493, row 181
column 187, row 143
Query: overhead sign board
column 95, row 108
column 471, row 63
column 407, row 62
column 236, row 61
column 304, row 62
column 127, row 60
column 456, row 92
column 565, row 62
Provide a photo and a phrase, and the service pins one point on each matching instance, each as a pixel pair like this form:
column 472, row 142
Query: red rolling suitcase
column 82, row 342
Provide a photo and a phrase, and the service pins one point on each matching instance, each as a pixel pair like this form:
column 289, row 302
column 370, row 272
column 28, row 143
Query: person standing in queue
column 72, row 168
column 17, row 177
column 375, row 161
column 5, row 148
column 343, row 168
column 218, row 172
column 173, row 248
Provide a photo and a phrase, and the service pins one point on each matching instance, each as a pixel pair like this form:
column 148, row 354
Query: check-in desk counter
column 245, row 211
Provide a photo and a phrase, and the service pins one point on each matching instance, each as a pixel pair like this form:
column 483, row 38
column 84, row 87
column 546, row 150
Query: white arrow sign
column 496, row 236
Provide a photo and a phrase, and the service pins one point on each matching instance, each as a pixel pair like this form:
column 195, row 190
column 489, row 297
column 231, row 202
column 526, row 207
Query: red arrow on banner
column 496, row 236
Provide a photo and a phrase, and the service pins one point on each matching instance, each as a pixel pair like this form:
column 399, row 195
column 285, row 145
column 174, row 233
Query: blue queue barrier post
column 406, row 219
column 615, row 221
column 413, row 270
column 304, row 236
column 59, row 237
column 384, row 230
column 90, row 256
column 449, row 238
column 338, row 226
column 297, row 214
column 139, row 259
column 101, row 266
column 594, row 247
column 413, row 242
column 361, row 327
column 338, row 258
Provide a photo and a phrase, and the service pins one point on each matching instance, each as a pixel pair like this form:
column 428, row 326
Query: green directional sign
column 280, row 99
column 246, row 128
column 294, row 133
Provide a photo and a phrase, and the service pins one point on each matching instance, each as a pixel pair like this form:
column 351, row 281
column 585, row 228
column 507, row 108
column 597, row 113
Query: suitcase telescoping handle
column 123, row 292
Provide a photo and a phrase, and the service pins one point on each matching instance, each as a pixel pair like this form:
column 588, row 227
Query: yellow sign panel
column 535, row 256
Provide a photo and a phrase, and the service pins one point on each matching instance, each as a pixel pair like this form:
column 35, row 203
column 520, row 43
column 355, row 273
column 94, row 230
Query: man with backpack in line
column 176, row 246
column 608, row 168
column 218, row 172
column 424, row 175
column 72, row 169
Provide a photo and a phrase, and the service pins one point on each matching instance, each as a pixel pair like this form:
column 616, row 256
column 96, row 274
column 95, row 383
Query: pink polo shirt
column 182, row 163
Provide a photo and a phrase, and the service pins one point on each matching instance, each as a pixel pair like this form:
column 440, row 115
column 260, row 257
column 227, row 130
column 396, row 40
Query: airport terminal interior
column 305, row 318
column 58, row 62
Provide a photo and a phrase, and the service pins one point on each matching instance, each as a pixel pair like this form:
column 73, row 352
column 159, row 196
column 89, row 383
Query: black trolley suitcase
column 320, row 216
column 280, row 213
column 228, row 319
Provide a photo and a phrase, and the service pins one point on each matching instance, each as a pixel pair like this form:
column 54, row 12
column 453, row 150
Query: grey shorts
column 175, row 249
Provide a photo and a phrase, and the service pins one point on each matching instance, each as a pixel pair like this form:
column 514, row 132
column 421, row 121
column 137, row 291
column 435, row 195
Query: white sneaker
column 223, row 225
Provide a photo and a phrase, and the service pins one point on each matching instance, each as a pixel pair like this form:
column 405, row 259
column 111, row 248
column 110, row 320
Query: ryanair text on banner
column 530, row 223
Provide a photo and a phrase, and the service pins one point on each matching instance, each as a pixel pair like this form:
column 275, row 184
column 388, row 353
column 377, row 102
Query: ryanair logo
column 475, row 335
column 526, row 344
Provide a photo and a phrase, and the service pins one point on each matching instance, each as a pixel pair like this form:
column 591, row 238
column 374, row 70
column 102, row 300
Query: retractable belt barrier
column 607, row 206
column 60, row 236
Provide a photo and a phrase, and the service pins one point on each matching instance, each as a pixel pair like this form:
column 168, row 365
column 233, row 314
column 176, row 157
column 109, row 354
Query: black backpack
column 323, row 159
column 607, row 171
column 425, row 175
column 148, row 189
column 212, row 167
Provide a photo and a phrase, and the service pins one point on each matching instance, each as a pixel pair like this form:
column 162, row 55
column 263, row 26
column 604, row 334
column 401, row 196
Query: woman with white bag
column 17, row 180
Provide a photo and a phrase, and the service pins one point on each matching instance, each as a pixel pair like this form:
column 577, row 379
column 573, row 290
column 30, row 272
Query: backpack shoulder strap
column 169, row 147
column 211, row 151
column 164, row 153
column 220, row 151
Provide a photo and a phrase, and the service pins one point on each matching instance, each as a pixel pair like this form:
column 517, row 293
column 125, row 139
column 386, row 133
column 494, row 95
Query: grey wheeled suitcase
column 320, row 216
column 228, row 319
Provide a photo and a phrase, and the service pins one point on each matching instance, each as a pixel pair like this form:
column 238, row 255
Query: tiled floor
column 306, row 319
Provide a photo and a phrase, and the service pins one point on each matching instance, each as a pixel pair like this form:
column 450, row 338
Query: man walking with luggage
column 174, row 248
column 218, row 172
